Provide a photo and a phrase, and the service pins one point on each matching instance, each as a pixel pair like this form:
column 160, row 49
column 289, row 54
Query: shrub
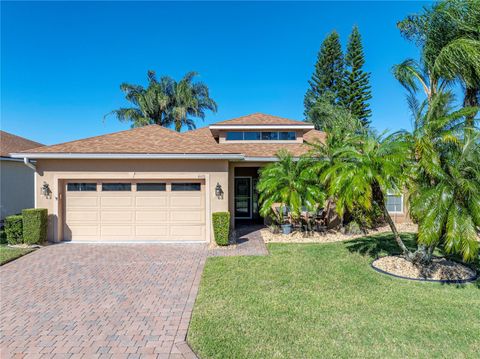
column 14, row 229
column 35, row 225
column 221, row 227
column 3, row 236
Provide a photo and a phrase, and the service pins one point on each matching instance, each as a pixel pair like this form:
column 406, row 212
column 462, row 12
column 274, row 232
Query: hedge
column 14, row 229
column 34, row 225
column 221, row 227
column 3, row 236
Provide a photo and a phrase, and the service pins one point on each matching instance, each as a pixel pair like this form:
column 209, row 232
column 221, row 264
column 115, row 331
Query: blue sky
column 62, row 63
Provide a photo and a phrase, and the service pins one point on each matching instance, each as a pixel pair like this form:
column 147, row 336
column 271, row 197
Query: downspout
column 29, row 164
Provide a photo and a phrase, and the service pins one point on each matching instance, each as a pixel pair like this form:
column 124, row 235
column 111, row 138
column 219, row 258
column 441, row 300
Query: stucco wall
column 54, row 172
column 16, row 183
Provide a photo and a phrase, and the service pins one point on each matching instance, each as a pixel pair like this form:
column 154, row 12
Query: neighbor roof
column 10, row 143
column 152, row 139
column 261, row 119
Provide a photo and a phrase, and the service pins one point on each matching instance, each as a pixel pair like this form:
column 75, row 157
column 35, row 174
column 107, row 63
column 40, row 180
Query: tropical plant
column 359, row 174
column 166, row 102
column 444, row 183
column 289, row 183
column 448, row 34
column 356, row 88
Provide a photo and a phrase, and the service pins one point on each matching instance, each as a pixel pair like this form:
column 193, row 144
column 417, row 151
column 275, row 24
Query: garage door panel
column 116, row 230
column 195, row 216
column 151, row 231
column 116, row 202
column 153, row 217
column 83, row 215
column 84, row 201
column 185, row 201
column 151, row 202
column 131, row 215
column 117, row 216
column 187, row 232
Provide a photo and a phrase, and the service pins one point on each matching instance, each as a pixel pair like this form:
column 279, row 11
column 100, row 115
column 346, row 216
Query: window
column 81, row 187
column 287, row 136
column 395, row 203
column 151, row 187
column 269, row 136
column 116, row 187
column 251, row 136
column 186, row 187
column 262, row 136
column 234, row 136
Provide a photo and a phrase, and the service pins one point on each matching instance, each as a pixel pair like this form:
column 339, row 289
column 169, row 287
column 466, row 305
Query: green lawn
column 8, row 254
column 324, row 301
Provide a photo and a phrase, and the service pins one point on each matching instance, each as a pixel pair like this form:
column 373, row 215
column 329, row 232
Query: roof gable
column 10, row 143
column 258, row 119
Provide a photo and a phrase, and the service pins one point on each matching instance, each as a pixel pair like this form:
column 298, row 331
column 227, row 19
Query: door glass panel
column 107, row 187
column 243, row 197
column 186, row 187
column 148, row 186
column 81, row 187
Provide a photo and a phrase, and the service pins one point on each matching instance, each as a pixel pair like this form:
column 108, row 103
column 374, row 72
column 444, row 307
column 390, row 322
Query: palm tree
column 359, row 174
column 189, row 99
column 289, row 183
column 444, row 182
column 165, row 102
column 449, row 36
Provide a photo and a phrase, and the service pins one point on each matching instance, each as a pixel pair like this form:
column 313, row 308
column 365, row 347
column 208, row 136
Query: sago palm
column 289, row 183
column 363, row 171
column 444, row 182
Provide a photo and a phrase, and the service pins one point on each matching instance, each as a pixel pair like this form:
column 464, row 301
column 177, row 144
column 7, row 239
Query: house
column 16, row 179
column 154, row 184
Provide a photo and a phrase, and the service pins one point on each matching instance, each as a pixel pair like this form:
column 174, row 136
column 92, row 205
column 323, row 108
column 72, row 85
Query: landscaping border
column 444, row 281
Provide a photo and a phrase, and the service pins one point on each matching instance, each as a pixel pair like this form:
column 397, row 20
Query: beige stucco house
column 154, row 184
column 16, row 179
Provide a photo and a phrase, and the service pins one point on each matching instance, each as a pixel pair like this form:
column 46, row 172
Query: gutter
column 187, row 156
column 29, row 164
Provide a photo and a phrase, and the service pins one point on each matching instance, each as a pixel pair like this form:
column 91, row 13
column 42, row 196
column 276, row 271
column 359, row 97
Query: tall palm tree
column 189, row 99
column 289, row 183
column 449, row 36
column 166, row 102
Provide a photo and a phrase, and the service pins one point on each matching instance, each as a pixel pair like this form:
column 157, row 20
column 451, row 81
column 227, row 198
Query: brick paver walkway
column 100, row 301
column 249, row 243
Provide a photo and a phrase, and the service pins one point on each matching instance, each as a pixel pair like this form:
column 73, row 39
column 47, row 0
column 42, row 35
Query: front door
column 243, row 197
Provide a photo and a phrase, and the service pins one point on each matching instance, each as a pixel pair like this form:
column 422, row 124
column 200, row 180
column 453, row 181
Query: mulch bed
column 440, row 269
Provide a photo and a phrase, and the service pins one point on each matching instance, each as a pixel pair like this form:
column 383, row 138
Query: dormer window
column 261, row 136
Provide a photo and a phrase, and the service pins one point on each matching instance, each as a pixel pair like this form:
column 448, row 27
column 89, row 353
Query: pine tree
column 356, row 88
column 329, row 72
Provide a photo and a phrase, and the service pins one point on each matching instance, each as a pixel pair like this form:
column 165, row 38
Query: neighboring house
column 151, row 183
column 16, row 179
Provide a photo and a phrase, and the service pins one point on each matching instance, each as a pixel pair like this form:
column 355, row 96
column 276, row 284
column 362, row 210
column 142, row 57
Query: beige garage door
column 135, row 210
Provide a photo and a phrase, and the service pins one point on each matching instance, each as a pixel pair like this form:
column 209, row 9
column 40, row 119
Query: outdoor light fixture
column 219, row 191
column 46, row 190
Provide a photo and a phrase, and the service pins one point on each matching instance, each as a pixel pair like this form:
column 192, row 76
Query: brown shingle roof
column 261, row 119
column 10, row 143
column 151, row 139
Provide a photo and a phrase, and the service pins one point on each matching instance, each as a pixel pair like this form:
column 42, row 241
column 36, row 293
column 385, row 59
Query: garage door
column 135, row 210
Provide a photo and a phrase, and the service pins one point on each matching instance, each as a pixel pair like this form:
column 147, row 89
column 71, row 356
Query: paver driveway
column 100, row 300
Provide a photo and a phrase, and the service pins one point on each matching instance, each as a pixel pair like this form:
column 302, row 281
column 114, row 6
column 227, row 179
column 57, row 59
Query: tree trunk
column 399, row 241
column 470, row 100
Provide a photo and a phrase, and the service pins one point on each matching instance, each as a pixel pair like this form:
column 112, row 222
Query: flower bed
column 330, row 236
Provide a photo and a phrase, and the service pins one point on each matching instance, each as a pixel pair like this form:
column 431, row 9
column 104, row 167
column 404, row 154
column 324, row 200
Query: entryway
column 246, row 208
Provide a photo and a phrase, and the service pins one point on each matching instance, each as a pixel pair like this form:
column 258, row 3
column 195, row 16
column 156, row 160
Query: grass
column 325, row 301
column 8, row 254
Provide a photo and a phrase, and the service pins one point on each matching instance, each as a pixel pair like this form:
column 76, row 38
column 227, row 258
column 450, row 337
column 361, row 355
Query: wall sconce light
column 46, row 190
column 219, row 191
